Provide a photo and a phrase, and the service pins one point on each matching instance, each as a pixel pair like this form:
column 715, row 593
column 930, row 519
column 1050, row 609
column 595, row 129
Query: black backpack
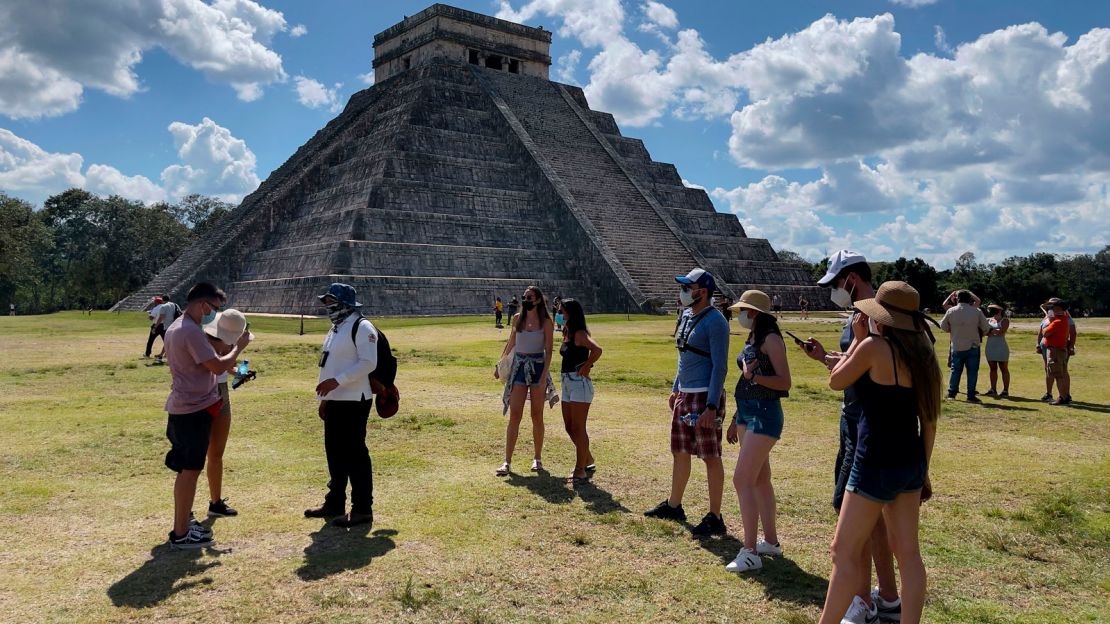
column 176, row 311
column 385, row 373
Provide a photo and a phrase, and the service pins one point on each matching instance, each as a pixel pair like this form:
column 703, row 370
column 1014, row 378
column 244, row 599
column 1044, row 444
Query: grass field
column 1018, row 531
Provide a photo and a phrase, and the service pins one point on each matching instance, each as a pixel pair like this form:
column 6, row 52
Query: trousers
column 348, row 457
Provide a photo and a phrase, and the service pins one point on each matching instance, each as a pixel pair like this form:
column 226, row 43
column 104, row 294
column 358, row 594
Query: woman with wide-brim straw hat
column 757, row 425
column 997, row 350
column 893, row 367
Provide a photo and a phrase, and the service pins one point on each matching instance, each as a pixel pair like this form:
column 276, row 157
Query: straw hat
column 228, row 326
column 753, row 300
column 896, row 304
column 995, row 306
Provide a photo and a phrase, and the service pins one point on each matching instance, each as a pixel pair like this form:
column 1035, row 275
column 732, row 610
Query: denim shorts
column 529, row 366
column 577, row 389
column 762, row 416
column 883, row 485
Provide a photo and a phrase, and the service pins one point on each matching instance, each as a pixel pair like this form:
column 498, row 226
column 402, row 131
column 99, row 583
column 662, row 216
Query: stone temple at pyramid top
column 447, row 32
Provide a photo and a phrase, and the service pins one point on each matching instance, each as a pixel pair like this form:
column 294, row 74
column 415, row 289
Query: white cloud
column 45, row 66
column 913, row 4
column 566, row 66
column 299, row 30
column 940, row 40
column 212, row 162
column 660, row 15
column 367, row 78
column 314, row 94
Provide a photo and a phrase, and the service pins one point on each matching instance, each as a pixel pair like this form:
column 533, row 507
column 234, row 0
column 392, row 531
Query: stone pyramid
column 463, row 174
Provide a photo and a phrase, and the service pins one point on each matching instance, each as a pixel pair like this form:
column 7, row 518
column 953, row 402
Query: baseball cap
column 837, row 263
column 701, row 277
column 343, row 293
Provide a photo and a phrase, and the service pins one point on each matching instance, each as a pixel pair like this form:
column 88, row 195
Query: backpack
column 384, row 375
column 176, row 312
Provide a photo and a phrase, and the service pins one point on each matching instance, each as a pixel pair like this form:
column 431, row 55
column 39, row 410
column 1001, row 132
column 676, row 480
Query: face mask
column 528, row 305
column 559, row 319
column 1051, row 314
column 208, row 318
column 686, row 298
column 872, row 327
column 842, row 297
column 746, row 321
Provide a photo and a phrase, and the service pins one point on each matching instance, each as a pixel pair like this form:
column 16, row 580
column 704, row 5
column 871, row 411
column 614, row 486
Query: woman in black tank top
column 895, row 373
column 579, row 351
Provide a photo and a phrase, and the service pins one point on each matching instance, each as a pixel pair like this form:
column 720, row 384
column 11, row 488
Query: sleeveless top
column 889, row 435
column 573, row 355
column 529, row 342
column 745, row 389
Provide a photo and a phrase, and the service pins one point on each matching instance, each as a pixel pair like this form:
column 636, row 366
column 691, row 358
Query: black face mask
column 528, row 305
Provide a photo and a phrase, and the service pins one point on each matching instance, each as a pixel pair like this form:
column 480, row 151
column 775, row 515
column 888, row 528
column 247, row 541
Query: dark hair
column 762, row 326
column 204, row 290
column 862, row 269
column 963, row 296
column 574, row 318
column 917, row 351
column 540, row 308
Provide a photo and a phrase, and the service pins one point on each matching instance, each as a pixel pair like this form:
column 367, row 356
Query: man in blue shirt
column 697, row 400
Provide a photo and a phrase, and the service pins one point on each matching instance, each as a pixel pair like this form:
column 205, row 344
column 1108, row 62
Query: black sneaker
column 192, row 540
column 664, row 511
column 1047, row 397
column 951, row 395
column 220, row 509
column 710, row 525
column 973, row 399
column 354, row 519
column 990, row 393
column 1061, row 401
column 887, row 611
column 200, row 528
column 323, row 511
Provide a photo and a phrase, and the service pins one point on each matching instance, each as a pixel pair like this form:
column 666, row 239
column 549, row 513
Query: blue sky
column 902, row 127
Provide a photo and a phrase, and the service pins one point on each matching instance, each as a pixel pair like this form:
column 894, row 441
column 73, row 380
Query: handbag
column 504, row 367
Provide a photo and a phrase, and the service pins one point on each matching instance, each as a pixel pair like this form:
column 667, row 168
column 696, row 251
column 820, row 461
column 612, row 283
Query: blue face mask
column 558, row 319
column 208, row 318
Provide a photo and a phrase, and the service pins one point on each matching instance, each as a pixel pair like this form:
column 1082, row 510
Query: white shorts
column 577, row 389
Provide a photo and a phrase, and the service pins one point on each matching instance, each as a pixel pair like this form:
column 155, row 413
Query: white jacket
column 349, row 362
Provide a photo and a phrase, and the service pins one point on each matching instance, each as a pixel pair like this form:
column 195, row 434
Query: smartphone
column 798, row 341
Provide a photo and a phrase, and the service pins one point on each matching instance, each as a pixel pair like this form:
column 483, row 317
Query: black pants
column 348, row 457
column 155, row 332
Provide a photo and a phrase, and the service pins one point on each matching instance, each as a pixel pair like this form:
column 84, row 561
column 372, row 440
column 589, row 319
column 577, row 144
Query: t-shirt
column 697, row 373
column 192, row 386
column 1056, row 333
column 1044, row 324
column 851, row 408
column 967, row 324
column 163, row 314
column 498, row 306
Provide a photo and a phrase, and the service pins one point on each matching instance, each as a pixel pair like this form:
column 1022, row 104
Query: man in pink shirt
column 191, row 405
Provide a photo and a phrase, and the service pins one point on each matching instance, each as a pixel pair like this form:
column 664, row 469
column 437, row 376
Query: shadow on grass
column 597, row 500
column 1006, row 408
column 544, row 485
column 157, row 579
column 334, row 549
column 781, row 578
column 1090, row 407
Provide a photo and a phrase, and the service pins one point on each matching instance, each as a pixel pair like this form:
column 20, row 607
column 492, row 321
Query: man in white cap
column 697, row 401
column 350, row 354
column 223, row 332
column 849, row 278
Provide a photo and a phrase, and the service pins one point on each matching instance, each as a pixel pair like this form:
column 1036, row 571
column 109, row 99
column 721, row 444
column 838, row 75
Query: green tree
column 24, row 240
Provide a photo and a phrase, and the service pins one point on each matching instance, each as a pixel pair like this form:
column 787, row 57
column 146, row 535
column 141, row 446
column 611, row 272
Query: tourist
column 498, row 310
column 529, row 377
column 803, row 305
column 223, row 332
column 967, row 326
column 849, row 278
column 997, row 350
column 1049, row 378
column 514, row 305
column 157, row 330
column 764, row 381
column 350, row 354
column 723, row 303
column 776, row 301
column 193, row 403
column 557, row 313
column 697, row 401
column 1058, row 345
column 579, row 351
column 11, row 312
column 893, row 368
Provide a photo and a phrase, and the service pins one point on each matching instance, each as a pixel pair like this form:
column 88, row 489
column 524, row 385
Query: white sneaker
column 888, row 611
column 860, row 613
column 763, row 547
column 537, row 465
column 745, row 561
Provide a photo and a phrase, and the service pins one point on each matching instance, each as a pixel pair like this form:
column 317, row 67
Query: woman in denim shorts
column 530, row 342
column 893, row 368
column 764, row 381
column 579, row 351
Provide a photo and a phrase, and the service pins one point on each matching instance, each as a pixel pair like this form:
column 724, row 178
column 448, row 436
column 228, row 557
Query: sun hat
column 995, row 306
column 343, row 293
column 896, row 304
column 698, row 276
column 837, row 263
column 1053, row 302
column 228, row 326
column 753, row 300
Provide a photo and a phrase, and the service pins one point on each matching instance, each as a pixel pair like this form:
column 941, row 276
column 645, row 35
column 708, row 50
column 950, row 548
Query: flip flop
column 576, row 480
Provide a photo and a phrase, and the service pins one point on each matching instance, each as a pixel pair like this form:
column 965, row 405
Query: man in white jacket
column 349, row 355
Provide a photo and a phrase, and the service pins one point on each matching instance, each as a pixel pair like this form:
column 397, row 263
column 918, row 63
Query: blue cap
column 701, row 277
column 343, row 293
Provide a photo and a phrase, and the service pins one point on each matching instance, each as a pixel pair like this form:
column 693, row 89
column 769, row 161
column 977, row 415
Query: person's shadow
column 596, row 499
column 157, row 579
column 544, row 485
column 1090, row 407
column 334, row 549
column 781, row 578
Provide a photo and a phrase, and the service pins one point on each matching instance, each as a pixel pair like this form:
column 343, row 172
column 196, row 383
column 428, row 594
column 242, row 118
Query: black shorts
column 188, row 435
column 845, row 456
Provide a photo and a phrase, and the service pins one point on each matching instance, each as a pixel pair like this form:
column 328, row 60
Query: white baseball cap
column 228, row 326
column 837, row 263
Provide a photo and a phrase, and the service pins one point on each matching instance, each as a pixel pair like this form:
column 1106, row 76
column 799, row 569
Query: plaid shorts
column 690, row 439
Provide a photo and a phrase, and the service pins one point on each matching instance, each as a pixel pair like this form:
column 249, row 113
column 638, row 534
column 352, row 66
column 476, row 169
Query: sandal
column 576, row 480
column 504, row 470
column 537, row 465
column 591, row 468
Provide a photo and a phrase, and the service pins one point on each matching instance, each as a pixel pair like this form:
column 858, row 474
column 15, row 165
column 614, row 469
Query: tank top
column 889, row 435
column 573, row 355
column 529, row 341
column 745, row 389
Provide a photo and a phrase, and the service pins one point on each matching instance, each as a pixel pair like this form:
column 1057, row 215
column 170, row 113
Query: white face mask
column 1051, row 314
column 841, row 296
column 746, row 321
column 872, row 327
column 686, row 297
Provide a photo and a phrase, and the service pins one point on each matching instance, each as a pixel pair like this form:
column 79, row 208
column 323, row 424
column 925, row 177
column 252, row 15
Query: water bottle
column 243, row 367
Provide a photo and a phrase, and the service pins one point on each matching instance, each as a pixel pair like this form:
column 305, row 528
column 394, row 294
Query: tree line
column 84, row 251
column 1021, row 283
